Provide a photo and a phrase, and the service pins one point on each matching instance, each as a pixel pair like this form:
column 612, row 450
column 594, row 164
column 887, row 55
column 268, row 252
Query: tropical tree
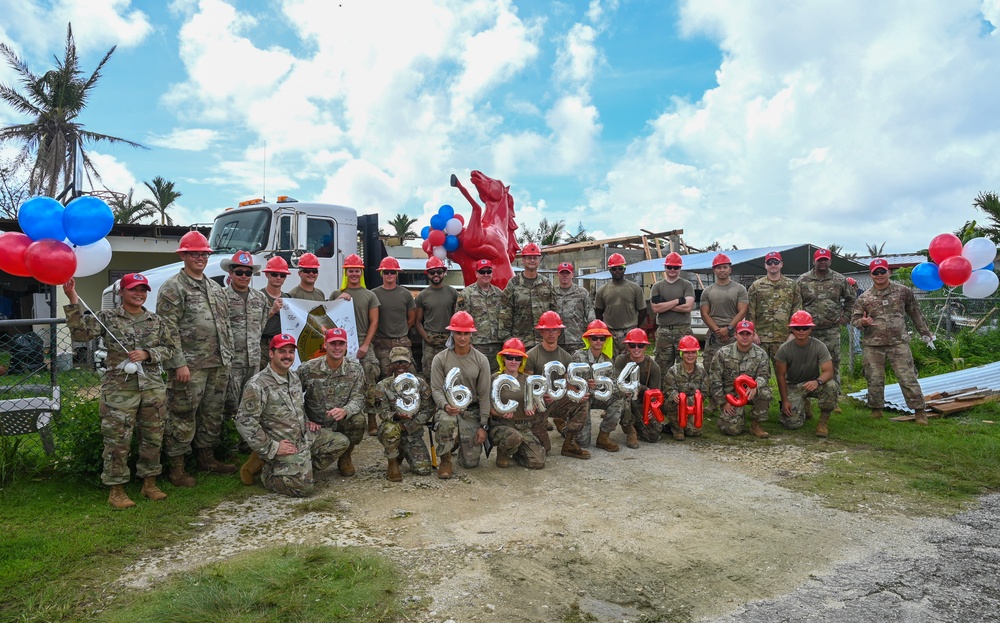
column 127, row 211
column 164, row 196
column 53, row 102
column 550, row 233
column 13, row 188
column 581, row 235
column 875, row 250
column 401, row 224
column 989, row 203
column 838, row 249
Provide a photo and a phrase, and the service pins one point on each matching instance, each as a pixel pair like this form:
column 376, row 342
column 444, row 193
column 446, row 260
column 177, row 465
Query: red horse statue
column 490, row 234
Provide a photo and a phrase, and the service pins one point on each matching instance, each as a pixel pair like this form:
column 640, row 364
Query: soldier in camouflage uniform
column 400, row 434
column 435, row 305
column 511, row 433
column 575, row 307
column 649, row 378
column 527, row 296
column 599, row 350
column 248, row 312
column 804, row 369
column 723, row 305
column 196, row 310
column 334, row 388
column 773, row 299
column 672, row 300
column 828, row 298
column 287, row 446
column 687, row 376
column 128, row 399
column 732, row 360
column 482, row 300
column 880, row 314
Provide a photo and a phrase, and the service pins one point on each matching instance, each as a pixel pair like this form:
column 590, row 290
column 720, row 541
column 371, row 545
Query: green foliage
column 967, row 350
column 77, row 434
column 17, row 461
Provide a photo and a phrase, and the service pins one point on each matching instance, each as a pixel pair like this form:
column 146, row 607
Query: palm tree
column 129, row 212
column 875, row 250
column 164, row 196
column 838, row 249
column 13, row 188
column 401, row 225
column 581, row 235
column 53, row 101
column 989, row 202
column 550, row 233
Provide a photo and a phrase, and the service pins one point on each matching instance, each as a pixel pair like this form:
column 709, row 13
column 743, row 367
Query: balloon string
column 98, row 318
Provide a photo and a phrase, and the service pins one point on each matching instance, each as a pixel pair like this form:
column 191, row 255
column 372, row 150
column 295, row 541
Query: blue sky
column 745, row 122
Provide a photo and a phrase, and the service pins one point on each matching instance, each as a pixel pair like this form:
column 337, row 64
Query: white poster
column 308, row 322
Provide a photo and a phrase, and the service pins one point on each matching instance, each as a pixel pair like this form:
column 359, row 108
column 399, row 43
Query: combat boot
column 821, row 430
column 571, row 449
column 392, row 472
column 372, row 426
column 208, row 463
column 503, row 461
column 757, row 431
column 445, row 470
column 151, row 491
column 560, row 424
column 344, row 464
column 178, row 477
column 605, row 442
column 251, row 468
column 808, row 410
column 631, row 437
column 118, row 498
column 876, row 414
column 921, row 418
column 678, row 433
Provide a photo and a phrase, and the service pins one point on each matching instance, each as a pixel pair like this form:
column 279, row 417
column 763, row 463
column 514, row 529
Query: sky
column 746, row 122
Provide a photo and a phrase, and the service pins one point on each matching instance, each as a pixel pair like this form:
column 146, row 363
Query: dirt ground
column 669, row 532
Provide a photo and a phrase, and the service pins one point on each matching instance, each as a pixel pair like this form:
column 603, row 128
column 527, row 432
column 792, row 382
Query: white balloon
column 440, row 253
column 92, row 258
column 131, row 367
column 981, row 284
column 453, row 227
column 980, row 252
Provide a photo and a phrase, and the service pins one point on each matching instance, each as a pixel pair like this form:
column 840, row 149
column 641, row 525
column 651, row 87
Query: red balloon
column 461, row 219
column 944, row 246
column 50, row 261
column 13, row 246
column 955, row 271
column 436, row 237
column 427, row 247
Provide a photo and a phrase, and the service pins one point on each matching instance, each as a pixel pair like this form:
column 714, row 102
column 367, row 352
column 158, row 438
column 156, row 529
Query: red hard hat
column 308, row 260
column 194, row 241
column 550, row 320
column 636, row 336
column 801, row 318
column 353, row 261
column 673, row 259
column 462, row 321
column 597, row 327
column 531, row 249
column 432, row 263
column 277, row 264
column 688, row 343
column 388, row 263
column 513, row 346
column 616, row 259
column 720, row 259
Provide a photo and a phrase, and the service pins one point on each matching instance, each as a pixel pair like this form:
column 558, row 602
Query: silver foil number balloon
column 504, row 381
column 535, row 387
column 557, row 386
column 628, row 380
column 407, row 394
column 605, row 384
column 457, row 395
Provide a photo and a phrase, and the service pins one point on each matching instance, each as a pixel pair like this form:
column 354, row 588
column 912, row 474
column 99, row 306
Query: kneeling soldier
column 730, row 362
column 511, row 432
column 401, row 434
column 804, row 369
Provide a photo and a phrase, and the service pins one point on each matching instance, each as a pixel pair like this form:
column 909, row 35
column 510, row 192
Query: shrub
column 78, row 440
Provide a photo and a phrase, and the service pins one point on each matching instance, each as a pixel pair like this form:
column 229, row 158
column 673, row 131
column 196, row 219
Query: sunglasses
column 243, row 273
column 389, row 272
column 309, row 271
column 642, row 346
column 277, row 275
column 617, row 268
column 485, row 272
column 879, row 271
column 435, row 272
column 801, row 328
column 198, row 254
column 773, row 262
column 672, row 267
column 513, row 357
column 598, row 338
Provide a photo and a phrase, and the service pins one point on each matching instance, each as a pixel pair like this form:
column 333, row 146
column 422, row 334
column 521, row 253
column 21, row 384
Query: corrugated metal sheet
column 984, row 377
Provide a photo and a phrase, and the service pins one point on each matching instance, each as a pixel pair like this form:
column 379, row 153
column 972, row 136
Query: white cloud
column 97, row 25
column 195, row 139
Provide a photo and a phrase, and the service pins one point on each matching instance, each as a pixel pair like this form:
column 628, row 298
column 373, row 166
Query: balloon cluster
column 441, row 236
column 953, row 265
column 58, row 243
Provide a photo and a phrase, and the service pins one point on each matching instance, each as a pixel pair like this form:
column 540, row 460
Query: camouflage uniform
column 403, row 438
column 246, row 323
column 825, row 394
column 649, row 378
column 197, row 313
column 485, row 310
column 613, row 407
column 830, row 301
column 522, row 305
column 393, row 326
column 677, row 381
column 128, row 400
column 435, row 320
column 730, row 363
column 576, row 309
column 772, row 304
column 326, row 389
column 574, row 414
column 271, row 411
column 888, row 340
column 475, row 376
column 513, row 436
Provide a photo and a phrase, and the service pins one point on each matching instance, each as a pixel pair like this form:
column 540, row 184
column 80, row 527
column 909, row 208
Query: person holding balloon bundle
column 133, row 394
column 880, row 314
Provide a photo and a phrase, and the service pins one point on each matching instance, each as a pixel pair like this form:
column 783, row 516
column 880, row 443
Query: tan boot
column 392, row 472
column 503, row 461
column 445, row 470
column 921, row 418
column 118, row 498
column 876, row 414
column 631, row 437
column 253, row 466
column 178, row 477
column 678, row 433
column 821, row 430
column 344, row 464
column 757, row 431
column 151, row 491
column 605, row 442
column 571, row 449
column 372, row 425
column 208, row 463
column 560, row 424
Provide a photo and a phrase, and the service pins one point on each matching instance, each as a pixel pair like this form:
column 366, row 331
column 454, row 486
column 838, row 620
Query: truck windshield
column 245, row 230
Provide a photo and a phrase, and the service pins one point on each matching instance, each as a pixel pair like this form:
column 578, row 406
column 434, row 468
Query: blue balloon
column 438, row 222
column 925, row 276
column 41, row 218
column 989, row 266
column 426, row 231
column 450, row 244
column 447, row 212
column 87, row 220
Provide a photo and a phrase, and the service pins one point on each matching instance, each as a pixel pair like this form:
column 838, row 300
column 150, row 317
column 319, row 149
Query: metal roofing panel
column 984, row 377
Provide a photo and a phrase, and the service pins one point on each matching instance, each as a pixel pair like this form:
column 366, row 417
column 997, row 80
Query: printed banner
column 308, row 322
